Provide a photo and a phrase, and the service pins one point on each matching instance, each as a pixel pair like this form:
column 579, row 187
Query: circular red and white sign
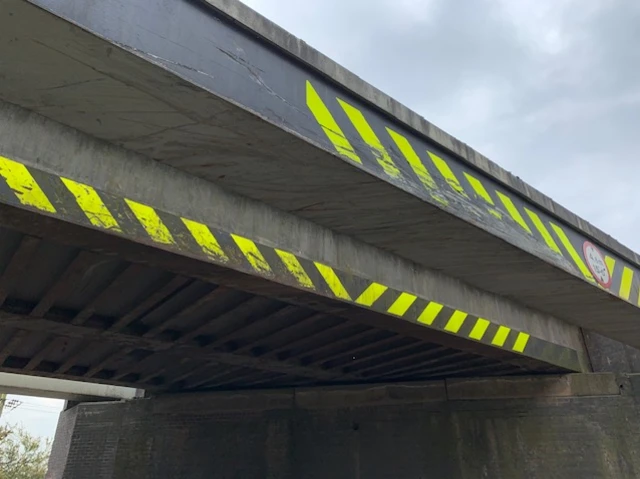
column 596, row 264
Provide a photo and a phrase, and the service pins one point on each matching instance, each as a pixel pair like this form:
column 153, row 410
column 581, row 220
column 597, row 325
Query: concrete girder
column 119, row 198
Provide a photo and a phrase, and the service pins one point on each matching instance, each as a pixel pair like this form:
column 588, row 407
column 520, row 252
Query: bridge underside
column 121, row 269
column 185, row 86
column 77, row 308
column 116, row 269
column 188, row 206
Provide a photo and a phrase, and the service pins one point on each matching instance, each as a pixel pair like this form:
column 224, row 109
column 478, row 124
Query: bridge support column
column 577, row 426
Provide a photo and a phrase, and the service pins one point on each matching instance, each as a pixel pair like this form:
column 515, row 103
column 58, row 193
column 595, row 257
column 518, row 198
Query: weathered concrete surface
column 69, row 153
column 607, row 355
column 581, row 428
column 130, row 97
column 245, row 16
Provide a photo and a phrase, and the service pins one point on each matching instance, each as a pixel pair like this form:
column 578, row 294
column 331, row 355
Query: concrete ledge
column 247, row 18
column 529, row 387
column 24, row 385
column 376, row 395
column 604, row 384
column 206, row 403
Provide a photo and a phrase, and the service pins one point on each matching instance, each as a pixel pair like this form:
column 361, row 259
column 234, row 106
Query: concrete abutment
column 576, row 426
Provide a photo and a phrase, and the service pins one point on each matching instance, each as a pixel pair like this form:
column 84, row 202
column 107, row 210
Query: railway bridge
column 306, row 278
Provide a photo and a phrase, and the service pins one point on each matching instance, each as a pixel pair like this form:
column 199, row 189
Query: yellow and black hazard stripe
column 82, row 204
column 365, row 139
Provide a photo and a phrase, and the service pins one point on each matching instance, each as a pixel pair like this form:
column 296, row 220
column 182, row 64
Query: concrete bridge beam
column 116, row 195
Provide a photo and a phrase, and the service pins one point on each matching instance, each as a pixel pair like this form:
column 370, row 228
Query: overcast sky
column 548, row 89
column 39, row 416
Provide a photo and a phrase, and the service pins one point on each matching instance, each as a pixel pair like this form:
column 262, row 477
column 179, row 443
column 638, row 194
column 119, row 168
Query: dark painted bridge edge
column 280, row 100
column 249, row 19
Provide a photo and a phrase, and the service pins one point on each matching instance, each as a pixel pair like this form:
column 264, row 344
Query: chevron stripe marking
column 521, row 342
column 92, row 205
column 448, row 174
column 332, row 280
column 611, row 264
column 501, row 336
column 151, row 222
column 402, row 304
column 455, row 321
column 479, row 329
column 430, row 313
column 295, row 268
column 250, row 251
column 537, row 222
column 23, row 184
column 513, row 211
column 482, row 192
column 205, row 239
column 566, row 242
column 626, row 283
column 328, row 124
column 370, row 295
column 417, row 166
column 371, row 139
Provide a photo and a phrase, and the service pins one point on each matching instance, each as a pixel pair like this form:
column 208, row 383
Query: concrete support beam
column 575, row 426
column 147, row 202
column 24, row 385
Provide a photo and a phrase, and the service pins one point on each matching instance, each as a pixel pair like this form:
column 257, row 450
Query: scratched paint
column 483, row 200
